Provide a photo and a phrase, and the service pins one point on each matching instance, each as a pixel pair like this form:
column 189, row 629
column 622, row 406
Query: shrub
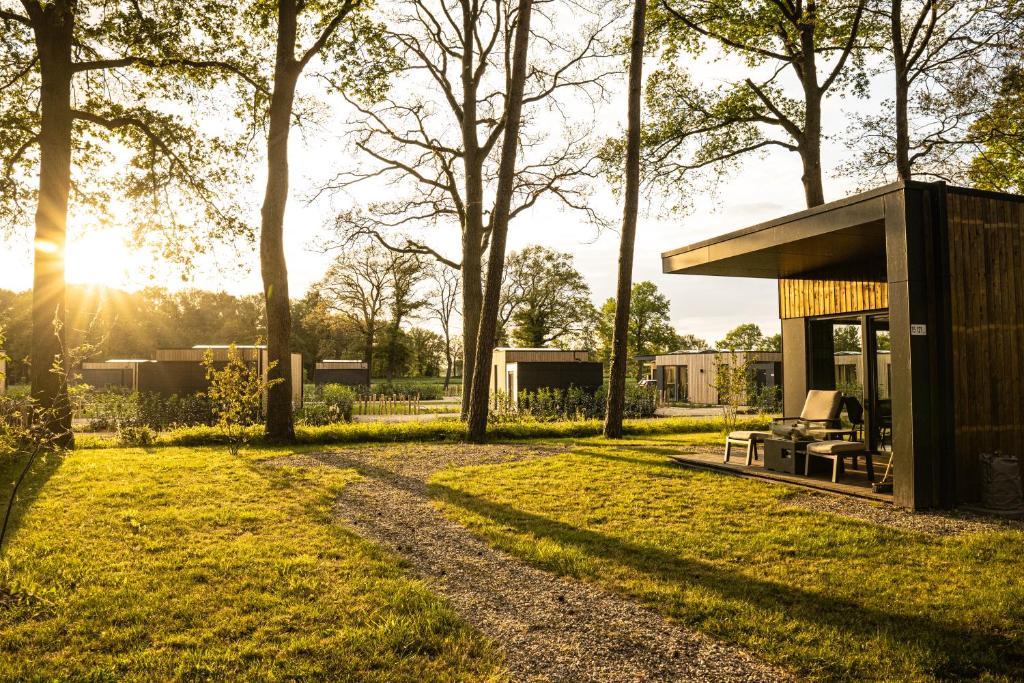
column 339, row 399
column 135, row 436
column 236, row 396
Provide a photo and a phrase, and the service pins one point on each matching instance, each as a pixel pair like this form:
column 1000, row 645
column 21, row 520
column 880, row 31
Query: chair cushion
column 821, row 434
column 747, row 436
column 785, row 430
column 822, row 404
column 835, row 447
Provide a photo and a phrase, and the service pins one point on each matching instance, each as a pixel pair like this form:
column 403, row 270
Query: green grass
column 827, row 597
column 190, row 564
column 440, row 429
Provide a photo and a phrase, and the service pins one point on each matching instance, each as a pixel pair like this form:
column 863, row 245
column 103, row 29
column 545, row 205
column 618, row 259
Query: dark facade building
column 351, row 373
column 516, row 370
column 180, row 372
column 930, row 273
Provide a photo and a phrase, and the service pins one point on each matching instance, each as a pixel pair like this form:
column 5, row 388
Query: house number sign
column 918, row 330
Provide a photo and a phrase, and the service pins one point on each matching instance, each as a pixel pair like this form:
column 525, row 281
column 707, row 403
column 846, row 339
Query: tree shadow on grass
column 950, row 650
column 11, row 467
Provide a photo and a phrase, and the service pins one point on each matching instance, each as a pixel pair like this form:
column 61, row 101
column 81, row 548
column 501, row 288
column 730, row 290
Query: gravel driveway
column 549, row 628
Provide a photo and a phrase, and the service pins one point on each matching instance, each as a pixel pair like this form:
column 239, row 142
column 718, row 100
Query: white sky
column 766, row 187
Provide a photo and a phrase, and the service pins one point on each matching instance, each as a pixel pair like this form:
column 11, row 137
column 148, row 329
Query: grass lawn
column 825, row 596
column 187, row 563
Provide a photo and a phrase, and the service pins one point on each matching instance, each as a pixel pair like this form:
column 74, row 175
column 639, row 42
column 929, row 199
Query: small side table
column 785, row 455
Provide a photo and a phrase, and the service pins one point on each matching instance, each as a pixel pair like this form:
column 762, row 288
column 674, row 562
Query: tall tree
column 435, row 142
column 332, row 26
column 699, row 128
column 544, row 299
column 479, row 397
column 945, row 56
column 624, row 285
column 405, row 274
column 999, row 161
column 75, row 75
column 356, row 287
column 650, row 328
column 442, row 302
column 744, row 337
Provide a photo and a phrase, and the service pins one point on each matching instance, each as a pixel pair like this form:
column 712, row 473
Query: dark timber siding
column 352, row 377
column 169, row 377
column 986, row 265
column 532, row 376
column 803, row 298
column 108, row 377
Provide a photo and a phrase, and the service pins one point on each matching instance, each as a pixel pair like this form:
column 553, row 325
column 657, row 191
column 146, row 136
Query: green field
column 189, row 564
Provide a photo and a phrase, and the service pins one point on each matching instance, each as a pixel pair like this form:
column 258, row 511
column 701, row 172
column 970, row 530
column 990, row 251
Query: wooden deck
column 853, row 483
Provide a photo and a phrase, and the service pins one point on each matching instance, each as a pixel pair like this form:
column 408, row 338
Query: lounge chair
column 819, row 418
column 836, row 450
column 748, row 440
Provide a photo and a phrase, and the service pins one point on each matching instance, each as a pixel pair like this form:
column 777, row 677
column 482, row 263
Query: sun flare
column 98, row 258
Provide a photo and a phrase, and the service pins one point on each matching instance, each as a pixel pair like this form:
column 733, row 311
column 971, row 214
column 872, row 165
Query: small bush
column 130, row 436
column 236, row 395
column 339, row 399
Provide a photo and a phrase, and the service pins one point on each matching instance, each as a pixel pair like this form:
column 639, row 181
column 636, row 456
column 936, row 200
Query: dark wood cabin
column 931, row 274
column 516, row 370
column 351, row 373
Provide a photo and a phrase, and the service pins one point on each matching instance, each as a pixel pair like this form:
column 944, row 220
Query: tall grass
column 442, row 429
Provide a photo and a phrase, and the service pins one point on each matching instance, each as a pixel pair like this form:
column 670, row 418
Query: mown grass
column 188, row 564
column 440, row 429
column 825, row 596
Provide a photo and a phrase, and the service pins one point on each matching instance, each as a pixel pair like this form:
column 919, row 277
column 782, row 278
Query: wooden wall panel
column 986, row 256
column 802, row 298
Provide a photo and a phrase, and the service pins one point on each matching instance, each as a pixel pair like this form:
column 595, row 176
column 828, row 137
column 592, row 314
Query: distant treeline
column 108, row 323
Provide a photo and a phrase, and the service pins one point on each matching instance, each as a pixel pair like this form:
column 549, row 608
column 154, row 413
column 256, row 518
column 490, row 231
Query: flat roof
column 847, row 231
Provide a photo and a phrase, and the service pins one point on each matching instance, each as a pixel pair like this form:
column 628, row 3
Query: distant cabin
column 180, row 372
column 515, row 370
column 351, row 373
column 690, row 375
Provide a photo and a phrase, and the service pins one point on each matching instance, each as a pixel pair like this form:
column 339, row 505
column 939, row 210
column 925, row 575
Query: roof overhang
column 845, row 238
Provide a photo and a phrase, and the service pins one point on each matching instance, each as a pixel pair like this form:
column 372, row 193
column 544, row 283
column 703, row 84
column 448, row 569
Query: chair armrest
column 785, row 419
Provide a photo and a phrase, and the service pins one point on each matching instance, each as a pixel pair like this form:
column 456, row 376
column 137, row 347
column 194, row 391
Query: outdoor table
column 785, row 455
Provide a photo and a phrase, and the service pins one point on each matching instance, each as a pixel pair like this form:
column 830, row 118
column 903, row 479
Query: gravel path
column 549, row 628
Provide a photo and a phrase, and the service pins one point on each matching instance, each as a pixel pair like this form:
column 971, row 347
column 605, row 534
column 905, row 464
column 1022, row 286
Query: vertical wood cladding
column 986, row 257
column 802, row 298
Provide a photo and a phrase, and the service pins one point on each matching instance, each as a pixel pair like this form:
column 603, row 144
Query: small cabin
column 352, row 373
column 116, row 373
column 930, row 279
column 690, row 375
column 180, row 372
column 515, row 370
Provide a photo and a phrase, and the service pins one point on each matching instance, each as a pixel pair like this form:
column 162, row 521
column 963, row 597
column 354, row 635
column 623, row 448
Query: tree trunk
column 473, row 230
column 54, row 31
column 499, row 227
column 368, row 356
column 620, row 331
column 279, row 421
column 810, row 144
column 902, row 89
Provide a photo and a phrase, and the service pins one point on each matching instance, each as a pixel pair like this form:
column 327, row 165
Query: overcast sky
column 765, row 187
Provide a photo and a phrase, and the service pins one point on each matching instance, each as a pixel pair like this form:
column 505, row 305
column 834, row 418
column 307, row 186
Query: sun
column 99, row 258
